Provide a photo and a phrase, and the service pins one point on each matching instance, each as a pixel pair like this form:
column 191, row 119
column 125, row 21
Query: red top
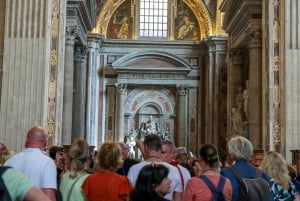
column 197, row 190
column 106, row 186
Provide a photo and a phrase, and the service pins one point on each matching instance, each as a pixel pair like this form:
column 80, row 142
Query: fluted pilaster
column 121, row 96
column 255, row 87
column 68, row 85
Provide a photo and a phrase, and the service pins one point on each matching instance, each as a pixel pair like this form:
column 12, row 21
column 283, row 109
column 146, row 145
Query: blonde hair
column 109, row 156
column 275, row 166
column 78, row 157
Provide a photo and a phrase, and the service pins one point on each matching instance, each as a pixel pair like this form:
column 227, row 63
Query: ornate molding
column 53, row 70
column 276, row 76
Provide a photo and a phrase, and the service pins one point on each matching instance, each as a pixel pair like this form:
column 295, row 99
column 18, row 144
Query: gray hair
column 240, row 148
column 169, row 143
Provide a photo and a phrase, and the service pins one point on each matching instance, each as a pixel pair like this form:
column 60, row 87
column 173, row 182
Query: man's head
column 181, row 155
column 168, row 151
column 125, row 148
column 152, row 142
column 36, row 138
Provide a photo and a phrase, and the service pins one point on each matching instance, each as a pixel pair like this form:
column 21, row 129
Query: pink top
column 197, row 190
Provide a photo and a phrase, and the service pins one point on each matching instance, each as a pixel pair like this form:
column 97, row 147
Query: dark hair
column 53, row 150
column 209, row 154
column 153, row 142
column 149, row 177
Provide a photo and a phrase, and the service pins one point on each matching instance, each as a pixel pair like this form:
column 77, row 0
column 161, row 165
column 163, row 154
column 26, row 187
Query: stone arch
column 110, row 6
column 172, row 59
column 163, row 99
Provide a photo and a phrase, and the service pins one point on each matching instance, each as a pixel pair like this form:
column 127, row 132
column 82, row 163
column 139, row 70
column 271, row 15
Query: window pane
column 153, row 18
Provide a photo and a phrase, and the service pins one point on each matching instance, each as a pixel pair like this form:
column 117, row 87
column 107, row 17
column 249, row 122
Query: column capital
column 80, row 53
column 236, row 55
column 181, row 90
column 71, row 34
column 121, row 88
column 254, row 37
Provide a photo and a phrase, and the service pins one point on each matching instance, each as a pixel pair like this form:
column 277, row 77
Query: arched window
column 153, row 19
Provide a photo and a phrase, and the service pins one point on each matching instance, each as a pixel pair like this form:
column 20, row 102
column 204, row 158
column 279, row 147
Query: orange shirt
column 197, row 190
column 106, row 186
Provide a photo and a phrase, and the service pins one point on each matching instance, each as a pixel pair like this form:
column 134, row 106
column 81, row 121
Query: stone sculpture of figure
column 131, row 144
column 151, row 126
column 237, row 122
column 246, row 99
column 240, row 99
column 143, row 131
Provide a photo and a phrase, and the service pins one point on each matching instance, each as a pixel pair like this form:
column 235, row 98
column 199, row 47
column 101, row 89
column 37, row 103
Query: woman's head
column 78, row 157
column 275, row 166
column 240, row 148
column 153, row 179
column 209, row 155
column 109, row 156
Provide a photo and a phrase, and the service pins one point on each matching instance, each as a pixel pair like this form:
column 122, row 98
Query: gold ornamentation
column 53, row 68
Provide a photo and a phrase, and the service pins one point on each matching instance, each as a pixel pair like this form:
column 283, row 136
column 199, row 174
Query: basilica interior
column 194, row 71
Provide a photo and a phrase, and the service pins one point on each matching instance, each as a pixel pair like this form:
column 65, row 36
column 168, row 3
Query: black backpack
column 252, row 189
column 4, row 194
column 217, row 192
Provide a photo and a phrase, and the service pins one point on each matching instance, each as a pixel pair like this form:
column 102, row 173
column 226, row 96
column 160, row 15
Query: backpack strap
column 210, row 184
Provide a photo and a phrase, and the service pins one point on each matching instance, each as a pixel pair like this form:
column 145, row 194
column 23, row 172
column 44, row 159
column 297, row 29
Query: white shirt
column 37, row 166
column 173, row 176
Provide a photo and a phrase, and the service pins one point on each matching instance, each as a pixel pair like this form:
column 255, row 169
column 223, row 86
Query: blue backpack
column 4, row 194
column 217, row 192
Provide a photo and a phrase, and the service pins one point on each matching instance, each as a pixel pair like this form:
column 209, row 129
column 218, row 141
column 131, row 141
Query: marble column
column 121, row 96
column 79, row 94
column 255, row 87
column 68, row 85
column 93, row 88
column 181, row 135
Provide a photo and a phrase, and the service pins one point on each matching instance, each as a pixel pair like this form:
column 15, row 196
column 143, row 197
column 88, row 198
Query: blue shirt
column 247, row 171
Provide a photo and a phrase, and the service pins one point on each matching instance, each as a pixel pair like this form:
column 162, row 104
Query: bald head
column 36, row 138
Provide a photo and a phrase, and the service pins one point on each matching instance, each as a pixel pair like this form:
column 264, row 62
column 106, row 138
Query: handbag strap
column 71, row 189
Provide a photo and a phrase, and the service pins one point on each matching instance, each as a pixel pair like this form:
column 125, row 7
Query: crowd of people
column 166, row 173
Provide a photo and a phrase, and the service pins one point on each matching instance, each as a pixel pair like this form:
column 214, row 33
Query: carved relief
column 152, row 95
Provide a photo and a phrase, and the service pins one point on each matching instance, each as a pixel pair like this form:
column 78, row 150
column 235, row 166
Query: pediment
column 151, row 61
